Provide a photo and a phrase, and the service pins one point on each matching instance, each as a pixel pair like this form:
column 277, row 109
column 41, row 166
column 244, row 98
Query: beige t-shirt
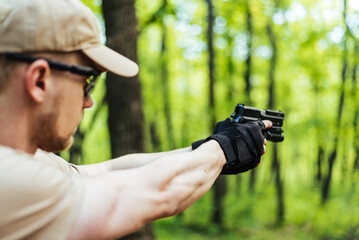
column 39, row 196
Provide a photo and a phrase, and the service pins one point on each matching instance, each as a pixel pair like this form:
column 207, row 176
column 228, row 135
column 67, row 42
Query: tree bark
column 320, row 142
column 123, row 94
column 271, row 104
column 320, row 156
column 219, row 185
column 165, row 83
column 155, row 140
column 333, row 154
column 210, row 20
column 125, row 117
column 248, row 69
column 355, row 99
column 247, row 78
column 76, row 151
column 356, row 112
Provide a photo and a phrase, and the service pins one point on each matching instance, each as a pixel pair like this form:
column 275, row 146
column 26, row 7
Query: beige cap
column 57, row 25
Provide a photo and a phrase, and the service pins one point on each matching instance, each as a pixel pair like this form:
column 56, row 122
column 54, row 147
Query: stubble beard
column 47, row 137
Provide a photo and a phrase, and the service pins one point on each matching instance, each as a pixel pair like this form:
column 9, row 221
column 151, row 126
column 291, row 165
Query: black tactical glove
column 242, row 144
column 198, row 143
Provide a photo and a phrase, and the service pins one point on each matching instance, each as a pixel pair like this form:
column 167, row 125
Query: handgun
column 243, row 113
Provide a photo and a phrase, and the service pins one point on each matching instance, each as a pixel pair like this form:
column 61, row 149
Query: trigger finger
column 267, row 123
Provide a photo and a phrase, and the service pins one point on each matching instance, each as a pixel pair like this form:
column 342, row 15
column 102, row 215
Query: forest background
column 198, row 59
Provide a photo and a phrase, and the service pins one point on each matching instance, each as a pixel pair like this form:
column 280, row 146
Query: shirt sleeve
column 38, row 201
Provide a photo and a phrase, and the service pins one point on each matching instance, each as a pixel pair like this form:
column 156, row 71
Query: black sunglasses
column 90, row 73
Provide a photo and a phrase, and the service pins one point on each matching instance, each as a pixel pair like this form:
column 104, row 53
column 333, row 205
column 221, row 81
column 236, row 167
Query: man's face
column 56, row 125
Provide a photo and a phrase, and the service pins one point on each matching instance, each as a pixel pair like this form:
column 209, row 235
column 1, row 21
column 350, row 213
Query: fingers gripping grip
column 242, row 145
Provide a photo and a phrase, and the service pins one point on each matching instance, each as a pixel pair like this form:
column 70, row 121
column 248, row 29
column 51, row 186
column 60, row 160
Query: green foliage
column 312, row 40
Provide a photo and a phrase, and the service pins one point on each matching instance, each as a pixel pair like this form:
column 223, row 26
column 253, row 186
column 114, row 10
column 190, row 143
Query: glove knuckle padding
column 242, row 145
column 254, row 137
column 219, row 126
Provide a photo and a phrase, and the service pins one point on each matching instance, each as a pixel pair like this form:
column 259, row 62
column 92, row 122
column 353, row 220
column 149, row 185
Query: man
column 50, row 56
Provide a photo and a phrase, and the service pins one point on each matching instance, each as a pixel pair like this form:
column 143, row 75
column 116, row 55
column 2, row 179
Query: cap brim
column 112, row 61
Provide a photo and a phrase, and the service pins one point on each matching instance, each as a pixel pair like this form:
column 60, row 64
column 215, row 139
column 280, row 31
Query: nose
column 88, row 102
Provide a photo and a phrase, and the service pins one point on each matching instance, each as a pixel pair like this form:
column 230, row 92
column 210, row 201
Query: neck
column 15, row 124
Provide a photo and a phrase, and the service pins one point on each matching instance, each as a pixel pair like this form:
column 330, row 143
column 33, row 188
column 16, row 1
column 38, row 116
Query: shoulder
column 35, row 197
column 56, row 161
column 19, row 170
column 22, row 167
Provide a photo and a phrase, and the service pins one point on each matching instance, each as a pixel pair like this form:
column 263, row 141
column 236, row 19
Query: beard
column 47, row 137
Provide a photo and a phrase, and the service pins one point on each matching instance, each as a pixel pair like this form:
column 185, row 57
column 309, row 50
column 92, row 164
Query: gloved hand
column 198, row 143
column 242, row 144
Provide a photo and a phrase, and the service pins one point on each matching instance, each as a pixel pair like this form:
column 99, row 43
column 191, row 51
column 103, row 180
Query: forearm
column 125, row 162
column 140, row 159
column 173, row 182
column 162, row 188
column 193, row 177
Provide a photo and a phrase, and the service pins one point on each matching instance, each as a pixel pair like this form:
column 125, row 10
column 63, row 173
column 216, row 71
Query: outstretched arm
column 120, row 202
column 125, row 162
column 136, row 160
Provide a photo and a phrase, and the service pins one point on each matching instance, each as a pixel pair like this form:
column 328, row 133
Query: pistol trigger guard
column 267, row 134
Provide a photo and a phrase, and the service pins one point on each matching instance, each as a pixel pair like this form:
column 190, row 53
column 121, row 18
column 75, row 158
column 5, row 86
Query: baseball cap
column 57, row 26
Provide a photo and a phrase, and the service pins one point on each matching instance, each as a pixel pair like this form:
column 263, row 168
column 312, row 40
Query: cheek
column 75, row 99
column 70, row 110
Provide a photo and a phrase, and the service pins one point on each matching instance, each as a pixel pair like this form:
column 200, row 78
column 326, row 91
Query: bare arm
column 120, row 202
column 125, row 162
column 134, row 160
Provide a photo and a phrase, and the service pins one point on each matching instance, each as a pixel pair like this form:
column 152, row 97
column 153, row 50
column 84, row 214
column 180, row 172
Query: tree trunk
column 125, row 117
column 248, row 69
column 271, row 104
column 155, row 140
column 165, row 83
column 327, row 180
column 320, row 156
column 219, row 189
column 279, row 184
column 232, row 95
column 356, row 112
column 211, row 57
column 319, row 135
column 355, row 99
column 76, row 151
column 247, row 78
column 333, row 154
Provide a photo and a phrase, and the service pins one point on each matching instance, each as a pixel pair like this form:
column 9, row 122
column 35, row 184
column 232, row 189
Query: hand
column 267, row 124
column 242, row 143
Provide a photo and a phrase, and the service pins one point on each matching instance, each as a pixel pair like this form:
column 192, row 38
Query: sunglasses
column 90, row 73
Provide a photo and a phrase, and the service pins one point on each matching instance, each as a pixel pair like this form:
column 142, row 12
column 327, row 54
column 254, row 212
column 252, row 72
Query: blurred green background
column 300, row 57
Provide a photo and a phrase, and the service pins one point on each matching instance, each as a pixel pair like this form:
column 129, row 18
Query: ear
column 37, row 80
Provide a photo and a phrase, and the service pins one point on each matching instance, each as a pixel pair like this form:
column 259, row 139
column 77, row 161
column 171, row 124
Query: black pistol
column 244, row 113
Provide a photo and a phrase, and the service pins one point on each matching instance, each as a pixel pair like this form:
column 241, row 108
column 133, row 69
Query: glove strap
column 226, row 146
